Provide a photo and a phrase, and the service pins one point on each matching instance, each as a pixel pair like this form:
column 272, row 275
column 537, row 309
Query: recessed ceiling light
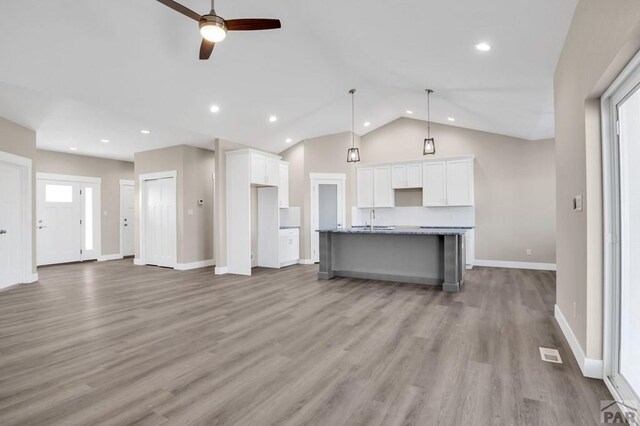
column 367, row 124
column 145, row 132
column 73, row 148
column 104, row 140
column 483, row 47
column 409, row 111
column 214, row 108
column 273, row 119
column 289, row 140
column 451, row 119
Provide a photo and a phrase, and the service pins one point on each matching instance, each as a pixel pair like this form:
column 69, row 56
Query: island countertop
column 397, row 231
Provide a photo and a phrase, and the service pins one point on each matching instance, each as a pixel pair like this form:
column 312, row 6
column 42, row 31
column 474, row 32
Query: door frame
column 98, row 216
column 26, row 194
column 316, row 179
column 142, row 208
column 123, row 183
column 627, row 83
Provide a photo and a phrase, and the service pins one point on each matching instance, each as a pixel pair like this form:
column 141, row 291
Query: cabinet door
column 434, row 184
column 364, row 184
column 414, row 175
column 283, row 250
column 258, row 169
column 399, row 176
column 460, row 182
column 283, row 186
column 295, row 247
column 383, row 195
column 273, row 171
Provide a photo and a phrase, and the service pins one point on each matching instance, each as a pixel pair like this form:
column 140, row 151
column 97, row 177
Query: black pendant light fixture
column 429, row 143
column 353, row 154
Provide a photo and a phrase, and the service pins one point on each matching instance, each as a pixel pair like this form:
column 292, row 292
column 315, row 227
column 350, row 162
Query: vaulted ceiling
column 78, row 72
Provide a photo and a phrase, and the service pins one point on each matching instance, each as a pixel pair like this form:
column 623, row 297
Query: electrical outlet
column 528, row 252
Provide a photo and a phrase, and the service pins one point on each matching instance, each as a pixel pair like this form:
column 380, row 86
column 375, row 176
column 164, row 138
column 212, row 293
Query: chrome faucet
column 372, row 215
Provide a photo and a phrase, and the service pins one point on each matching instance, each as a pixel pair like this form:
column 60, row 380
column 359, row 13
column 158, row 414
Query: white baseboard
column 31, row 278
column 193, row 265
column 590, row 367
column 221, row 270
column 106, row 257
column 306, row 262
column 515, row 265
column 138, row 262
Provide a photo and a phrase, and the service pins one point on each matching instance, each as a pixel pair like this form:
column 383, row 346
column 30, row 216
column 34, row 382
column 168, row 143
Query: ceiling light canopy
column 483, row 47
column 213, row 28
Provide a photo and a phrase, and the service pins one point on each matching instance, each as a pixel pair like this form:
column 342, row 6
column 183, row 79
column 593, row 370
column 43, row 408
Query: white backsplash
column 290, row 217
column 416, row 216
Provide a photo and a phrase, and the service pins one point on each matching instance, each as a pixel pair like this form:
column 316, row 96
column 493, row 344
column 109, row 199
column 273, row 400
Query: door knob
column 126, row 224
column 41, row 227
column 3, row 231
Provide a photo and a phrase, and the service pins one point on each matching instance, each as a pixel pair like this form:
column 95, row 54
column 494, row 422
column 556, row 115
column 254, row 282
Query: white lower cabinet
column 289, row 247
column 470, row 242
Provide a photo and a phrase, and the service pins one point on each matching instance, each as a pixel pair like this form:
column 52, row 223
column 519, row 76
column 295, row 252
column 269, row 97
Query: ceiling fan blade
column 205, row 49
column 181, row 9
column 252, row 24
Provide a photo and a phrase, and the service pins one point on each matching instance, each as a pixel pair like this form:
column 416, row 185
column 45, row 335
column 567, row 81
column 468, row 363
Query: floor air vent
column 550, row 355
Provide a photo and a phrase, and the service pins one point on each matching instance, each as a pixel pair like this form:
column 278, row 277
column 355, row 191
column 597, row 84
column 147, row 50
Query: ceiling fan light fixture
column 213, row 28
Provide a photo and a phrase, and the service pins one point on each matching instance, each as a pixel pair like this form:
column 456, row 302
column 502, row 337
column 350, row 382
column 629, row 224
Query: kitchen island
column 431, row 256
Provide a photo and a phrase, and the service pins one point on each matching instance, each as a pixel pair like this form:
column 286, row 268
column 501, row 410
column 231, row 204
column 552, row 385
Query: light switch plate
column 577, row 203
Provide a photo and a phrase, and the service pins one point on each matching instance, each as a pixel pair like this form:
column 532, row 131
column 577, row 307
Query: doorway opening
column 328, row 206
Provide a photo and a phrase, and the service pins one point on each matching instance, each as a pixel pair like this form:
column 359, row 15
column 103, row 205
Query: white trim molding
column 194, row 265
column 31, row 279
column 68, row 178
column 107, row 257
column 221, row 270
column 306, row 262
column 592, row 368
column 515, row 265
column 127, row 182
column 138, row 262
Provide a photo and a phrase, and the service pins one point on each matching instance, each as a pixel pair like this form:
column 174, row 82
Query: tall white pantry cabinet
column 247, row 168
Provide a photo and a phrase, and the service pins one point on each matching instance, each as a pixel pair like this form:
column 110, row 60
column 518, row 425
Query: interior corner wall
column 603, row 37
column 110, row 171
column 18, row 140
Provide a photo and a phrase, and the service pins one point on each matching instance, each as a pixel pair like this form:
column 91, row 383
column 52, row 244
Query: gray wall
column 110, row 171
column 195, row 168
column 18, row 140
column 603, row 37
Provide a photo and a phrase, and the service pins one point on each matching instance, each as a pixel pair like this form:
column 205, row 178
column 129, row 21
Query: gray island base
column 433, row 256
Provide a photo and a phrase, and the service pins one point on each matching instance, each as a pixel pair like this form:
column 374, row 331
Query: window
column 58, row 193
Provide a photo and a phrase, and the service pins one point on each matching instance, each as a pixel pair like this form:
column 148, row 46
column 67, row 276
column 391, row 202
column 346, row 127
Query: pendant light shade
column 353, row 153
column 429, row 147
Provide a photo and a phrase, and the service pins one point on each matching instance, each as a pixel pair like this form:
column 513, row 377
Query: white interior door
column 127, row 205
column 160, row 222
column 628, row 315
column 58, row 226
column 327, row 209
column 90, row 221
column 11, row 251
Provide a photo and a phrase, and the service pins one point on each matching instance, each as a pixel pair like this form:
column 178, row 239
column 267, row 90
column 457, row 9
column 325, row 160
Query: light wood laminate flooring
column 114, row 343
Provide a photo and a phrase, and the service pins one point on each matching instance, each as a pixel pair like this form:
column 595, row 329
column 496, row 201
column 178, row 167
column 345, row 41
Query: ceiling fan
column 213, row 28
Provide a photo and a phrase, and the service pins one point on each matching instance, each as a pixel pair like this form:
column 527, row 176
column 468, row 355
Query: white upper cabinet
column 460, row 182
column 434, row 184
column 383, row 195
column 364, row 190
column 414, row 175
column 283, row 187
column 265, row 170
column 406, row 176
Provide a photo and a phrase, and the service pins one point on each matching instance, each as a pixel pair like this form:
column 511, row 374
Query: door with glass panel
column 626, row 348
column 67, row 223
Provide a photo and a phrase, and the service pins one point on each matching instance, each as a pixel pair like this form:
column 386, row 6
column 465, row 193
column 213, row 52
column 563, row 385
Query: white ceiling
column 80, row 71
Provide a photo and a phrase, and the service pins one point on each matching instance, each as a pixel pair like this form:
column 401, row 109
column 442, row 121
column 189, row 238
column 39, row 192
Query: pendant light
column 429, row 143
column 353, row 154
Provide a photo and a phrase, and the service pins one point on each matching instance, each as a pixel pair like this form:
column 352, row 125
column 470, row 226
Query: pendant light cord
column 353, row 117
column 429, row 113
